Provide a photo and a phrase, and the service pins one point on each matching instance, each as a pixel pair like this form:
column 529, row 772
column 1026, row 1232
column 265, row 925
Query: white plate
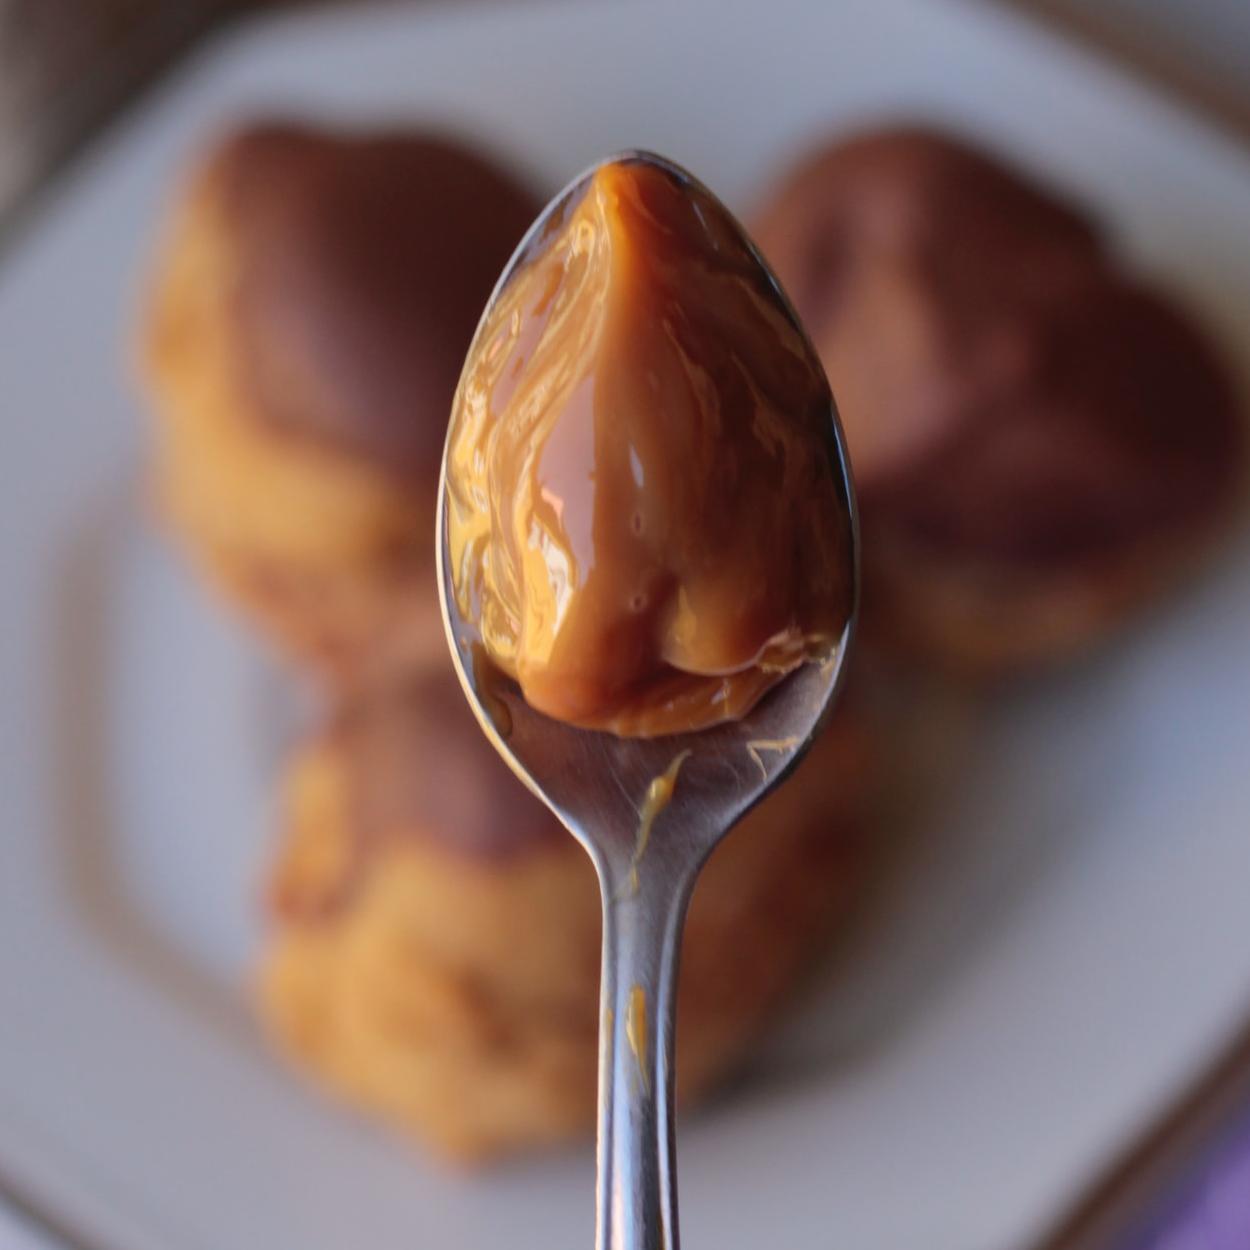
column 1069, row 942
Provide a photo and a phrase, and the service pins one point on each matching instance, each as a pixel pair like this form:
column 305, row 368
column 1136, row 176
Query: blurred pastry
column 1040, row 445
column 435, row 951
column 308, row 319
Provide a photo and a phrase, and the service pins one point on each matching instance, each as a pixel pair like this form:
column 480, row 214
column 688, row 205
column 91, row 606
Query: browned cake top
column 363, row 262
column 920, row 267
column 1004, row 391
column 1129, row 429
column 419, row 766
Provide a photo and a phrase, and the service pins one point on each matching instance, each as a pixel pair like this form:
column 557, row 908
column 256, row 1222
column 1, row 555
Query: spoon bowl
column 648, row 811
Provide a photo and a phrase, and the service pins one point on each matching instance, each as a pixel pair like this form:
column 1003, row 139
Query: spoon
column 649, row 812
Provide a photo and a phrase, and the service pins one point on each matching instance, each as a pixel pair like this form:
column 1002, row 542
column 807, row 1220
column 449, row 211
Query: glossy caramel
column 644, row 518
column 655, row 802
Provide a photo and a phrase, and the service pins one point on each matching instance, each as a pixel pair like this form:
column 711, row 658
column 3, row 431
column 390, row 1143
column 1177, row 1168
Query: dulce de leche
column 646, row 521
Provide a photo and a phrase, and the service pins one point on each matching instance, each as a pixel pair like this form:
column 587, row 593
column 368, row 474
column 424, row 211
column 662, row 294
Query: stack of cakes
column 434, row 952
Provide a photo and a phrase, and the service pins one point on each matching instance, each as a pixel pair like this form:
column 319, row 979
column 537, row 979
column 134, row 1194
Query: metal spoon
column 609, row 792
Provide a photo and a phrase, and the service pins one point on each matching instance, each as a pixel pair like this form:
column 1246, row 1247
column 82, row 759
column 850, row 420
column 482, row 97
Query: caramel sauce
column 643, row 518
column 659, row 795
column 636, row 1031
column 757, row 746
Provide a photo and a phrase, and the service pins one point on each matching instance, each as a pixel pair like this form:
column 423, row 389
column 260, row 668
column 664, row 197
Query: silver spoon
column 609, row 792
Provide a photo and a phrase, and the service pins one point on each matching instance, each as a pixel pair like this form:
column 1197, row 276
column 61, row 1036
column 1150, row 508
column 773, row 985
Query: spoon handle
column 643, row 915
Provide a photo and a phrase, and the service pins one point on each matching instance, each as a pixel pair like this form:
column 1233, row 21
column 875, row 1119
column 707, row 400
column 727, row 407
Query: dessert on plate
column 1041, row 442
column 308, row 315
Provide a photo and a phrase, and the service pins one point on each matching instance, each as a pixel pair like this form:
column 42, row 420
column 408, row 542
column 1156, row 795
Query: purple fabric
column 1212, row 1212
